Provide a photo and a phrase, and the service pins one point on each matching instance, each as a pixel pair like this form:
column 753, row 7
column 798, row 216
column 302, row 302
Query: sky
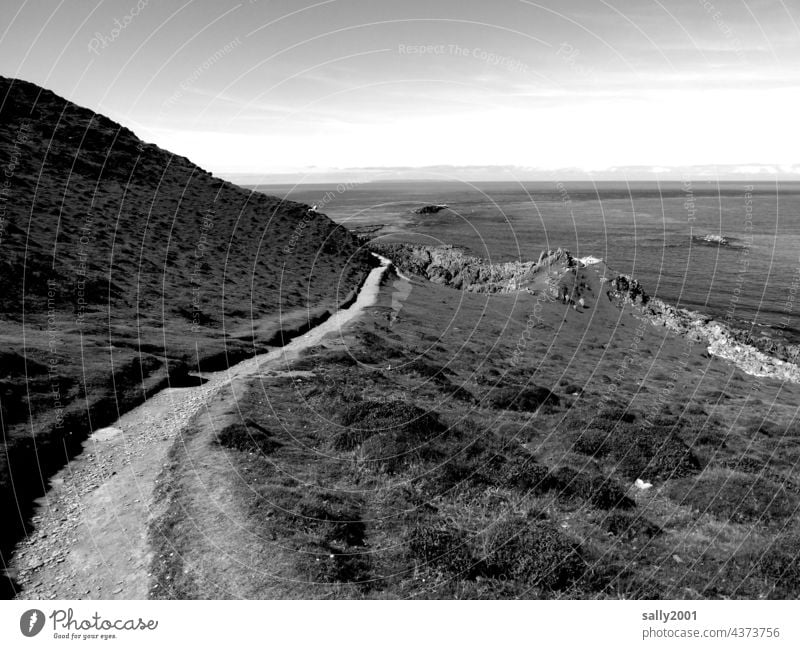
column 298, row 89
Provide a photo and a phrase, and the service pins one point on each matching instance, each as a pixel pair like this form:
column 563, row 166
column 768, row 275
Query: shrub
column 391, row 434
column 439, row 376
column 441, row 549
column 426, row 368
column 610, row 417
column 396, row 450
column 736, row 497
column 520, row 470
column 337, row 517
column 458, row 472
column 248, row 437
column 362, row 420
column 771, row 572
column 510, row 470
column 524, row 399
column 373, row 348
column 533, row 552
column 601, row 492
column 780, row 566
column 323, row 563
column 629, row 526
column 770, row 429
column 641, row 452
column 14, row 364
column 323, row 357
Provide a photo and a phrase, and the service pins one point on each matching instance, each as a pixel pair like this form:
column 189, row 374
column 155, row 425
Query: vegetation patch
column 326, row 564
column 389, row 434
column 571, row 388
column 73, row 159
column 611, row 416
column 438, row 375
column 362, row 420
column 395, row 450
column 441, row 549
column 336, row 517
column 629, row 526
column 603, row 493
column 779, row 565
column 249, row 437
column 318, row 357
column 532, row 552
column 374, row 348
column 393, row 489
column 426, row 368
column 521, row 470
column 645, row 452
column 524, row 399
column 735, row 497
column 481, row 466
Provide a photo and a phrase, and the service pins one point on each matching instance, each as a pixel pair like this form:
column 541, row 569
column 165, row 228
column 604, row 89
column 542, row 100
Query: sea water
column 663, row 234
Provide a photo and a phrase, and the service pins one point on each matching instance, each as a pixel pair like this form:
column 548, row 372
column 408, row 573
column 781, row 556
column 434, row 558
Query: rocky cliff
column 455, row 268
column 757, row 356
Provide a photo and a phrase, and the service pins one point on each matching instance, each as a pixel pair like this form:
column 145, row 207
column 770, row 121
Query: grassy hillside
column 457, row 444
column 123, row 266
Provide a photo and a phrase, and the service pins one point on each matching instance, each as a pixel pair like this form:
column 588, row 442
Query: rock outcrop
column 626, row 290
column 454, row 267
column 715, row 239
column 761, row 357
column 757, row 356
column 430, row 209
column 555, row 273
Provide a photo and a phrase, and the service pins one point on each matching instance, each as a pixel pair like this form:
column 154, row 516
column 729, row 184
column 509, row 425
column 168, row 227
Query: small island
column 430, row 209
column 716, row 239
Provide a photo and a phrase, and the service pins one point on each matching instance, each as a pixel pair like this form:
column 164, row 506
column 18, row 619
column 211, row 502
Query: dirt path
column 90, row 529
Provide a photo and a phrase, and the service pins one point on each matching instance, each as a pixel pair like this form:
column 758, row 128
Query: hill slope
column 124, row 266
column 486, row 444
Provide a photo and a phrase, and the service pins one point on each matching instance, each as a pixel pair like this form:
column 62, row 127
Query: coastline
column 728, row 342
column 419, row 431
column 759, row 357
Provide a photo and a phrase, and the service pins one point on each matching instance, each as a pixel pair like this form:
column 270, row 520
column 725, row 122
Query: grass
column 780, row 567
column 437, row 548
column 249, row 437
column 629, row 526
column 532, row 553
column 326, row 564
column 385, row 486
column 525, row 399
column 736, row 497
column 119, row 254
column 389, row 435
column 647, row 451
column 601, row 492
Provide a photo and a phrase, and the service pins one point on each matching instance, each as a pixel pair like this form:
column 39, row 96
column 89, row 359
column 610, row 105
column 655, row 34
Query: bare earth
column 90, row 529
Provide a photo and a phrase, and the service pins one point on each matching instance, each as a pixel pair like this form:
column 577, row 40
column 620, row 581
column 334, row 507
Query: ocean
column 653, row 232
